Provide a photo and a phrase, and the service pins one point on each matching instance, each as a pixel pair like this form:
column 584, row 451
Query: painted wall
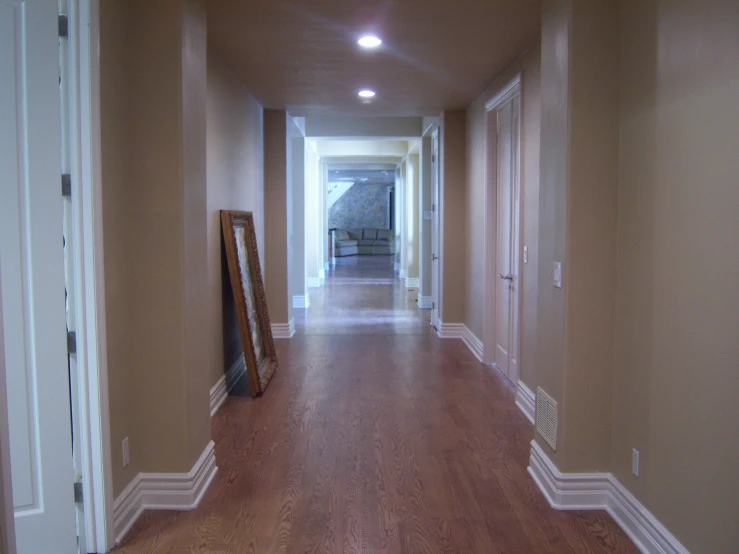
column 299, row 286
column 363, row 205
column 374, row 127
column 276, row 215
column 153, row 88
column 413, row 199
column 312, row 215
column 235, row 177
column 424, row 225
column 529, row 67
column 677, row 300
column 453, row 184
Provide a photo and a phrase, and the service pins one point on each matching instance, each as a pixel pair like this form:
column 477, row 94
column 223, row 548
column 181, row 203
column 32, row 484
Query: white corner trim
column 283, row 330
column 314, row 282
column 425, row 302
column 602, row 491
column 450, row 330
column 301, row 302
column 163, row 491
column 526, row 401
column 396, row 266
column 218, row 395
column 412, row 283
column 325, row 266
column 403, row 273
column 223, row 386
column 472, row 342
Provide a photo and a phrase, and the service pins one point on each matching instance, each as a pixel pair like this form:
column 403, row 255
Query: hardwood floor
column 374, row 442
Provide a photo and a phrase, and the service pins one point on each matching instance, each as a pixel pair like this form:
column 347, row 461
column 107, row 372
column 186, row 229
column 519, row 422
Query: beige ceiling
column 437, row 54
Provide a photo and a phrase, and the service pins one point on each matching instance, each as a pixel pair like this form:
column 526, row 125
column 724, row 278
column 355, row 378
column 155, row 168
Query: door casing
column 511, row 91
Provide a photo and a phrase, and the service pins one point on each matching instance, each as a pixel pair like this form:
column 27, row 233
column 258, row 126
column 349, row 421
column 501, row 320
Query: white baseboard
column 526, row 401
column 602, row 491
column 450, row 330
column 461, row 331
column 163, row 491
column 314, row 282
column 412, row 282
column 223, row 386
column 283, row 330
column 403, row 273
column 472, row 342
column 301, row 302
column 425, row 302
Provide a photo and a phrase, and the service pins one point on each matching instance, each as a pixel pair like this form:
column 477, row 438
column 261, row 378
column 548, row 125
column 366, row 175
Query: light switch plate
column 635, row 462
column 124, row 451
column 525, row 254
column 558, row 274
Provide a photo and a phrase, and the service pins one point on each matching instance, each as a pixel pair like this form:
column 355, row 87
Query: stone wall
column 363, row 205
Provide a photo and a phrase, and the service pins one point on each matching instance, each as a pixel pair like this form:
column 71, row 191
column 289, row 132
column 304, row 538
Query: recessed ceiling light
column 366, row 93
column 369, row 41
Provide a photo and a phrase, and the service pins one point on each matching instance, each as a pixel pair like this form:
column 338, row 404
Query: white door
column 32, row 268
column 435, row 230
column 506, row 251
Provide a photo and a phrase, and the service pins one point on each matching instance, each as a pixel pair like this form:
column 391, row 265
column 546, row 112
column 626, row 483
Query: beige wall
column 452, row 155
column 235, row 155
column 529, row 67
column 579, row 160
column 677, row 303
column 413, row 199
column 153, row 67
column 276, row 228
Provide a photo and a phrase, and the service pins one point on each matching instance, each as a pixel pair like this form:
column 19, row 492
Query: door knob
column 506, row 277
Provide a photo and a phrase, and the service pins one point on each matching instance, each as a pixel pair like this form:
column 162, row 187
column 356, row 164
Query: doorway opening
column 363, row 249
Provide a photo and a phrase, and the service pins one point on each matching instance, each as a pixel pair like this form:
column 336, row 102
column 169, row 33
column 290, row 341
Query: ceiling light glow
column 369, row 41
column 366, row 93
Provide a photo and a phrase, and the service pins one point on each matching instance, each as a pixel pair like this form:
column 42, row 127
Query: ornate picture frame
column 250, row 301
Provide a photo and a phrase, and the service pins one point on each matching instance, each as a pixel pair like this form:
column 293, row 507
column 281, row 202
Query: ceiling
column 362, row 176
column 301, row 55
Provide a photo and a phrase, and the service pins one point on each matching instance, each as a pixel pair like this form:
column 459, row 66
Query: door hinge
column 433, row 305
column 71, row 342
column 66, row 185
column 78, row 496
column 433, row 208
column 433, row 158
column 63, row 26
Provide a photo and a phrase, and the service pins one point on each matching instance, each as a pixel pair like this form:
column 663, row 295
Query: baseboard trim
column 223, row 386
column 301, row 302
column 526, row 401
column 450, row 330
column 472, row 342
column 602, row 491
column 283, row 330
column 425, row 302
column 163, row 491
column 412, row 282
column 314, row 282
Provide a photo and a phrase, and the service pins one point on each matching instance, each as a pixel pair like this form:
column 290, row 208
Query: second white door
column 506, row 250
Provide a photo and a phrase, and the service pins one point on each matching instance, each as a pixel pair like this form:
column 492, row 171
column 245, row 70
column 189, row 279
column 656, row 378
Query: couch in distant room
column 363, row 242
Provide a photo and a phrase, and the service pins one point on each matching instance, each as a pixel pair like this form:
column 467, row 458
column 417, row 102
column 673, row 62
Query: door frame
column 436, row 231
column 510, row 91
column 84, row 78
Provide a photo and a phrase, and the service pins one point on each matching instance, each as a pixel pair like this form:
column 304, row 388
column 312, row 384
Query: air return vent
column 546, row 417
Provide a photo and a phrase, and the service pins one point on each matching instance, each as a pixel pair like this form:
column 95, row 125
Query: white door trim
column 508, row 93
column 436, row 223
column 90, row 305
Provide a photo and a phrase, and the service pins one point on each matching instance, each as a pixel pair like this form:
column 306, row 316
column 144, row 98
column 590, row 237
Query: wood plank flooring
column 370, row 442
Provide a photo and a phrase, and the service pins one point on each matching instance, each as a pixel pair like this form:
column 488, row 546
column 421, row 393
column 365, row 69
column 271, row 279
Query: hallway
column 386, row 439
column 363, row 295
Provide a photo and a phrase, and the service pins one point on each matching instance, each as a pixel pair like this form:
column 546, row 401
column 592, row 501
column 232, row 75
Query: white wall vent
column 546, row 417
